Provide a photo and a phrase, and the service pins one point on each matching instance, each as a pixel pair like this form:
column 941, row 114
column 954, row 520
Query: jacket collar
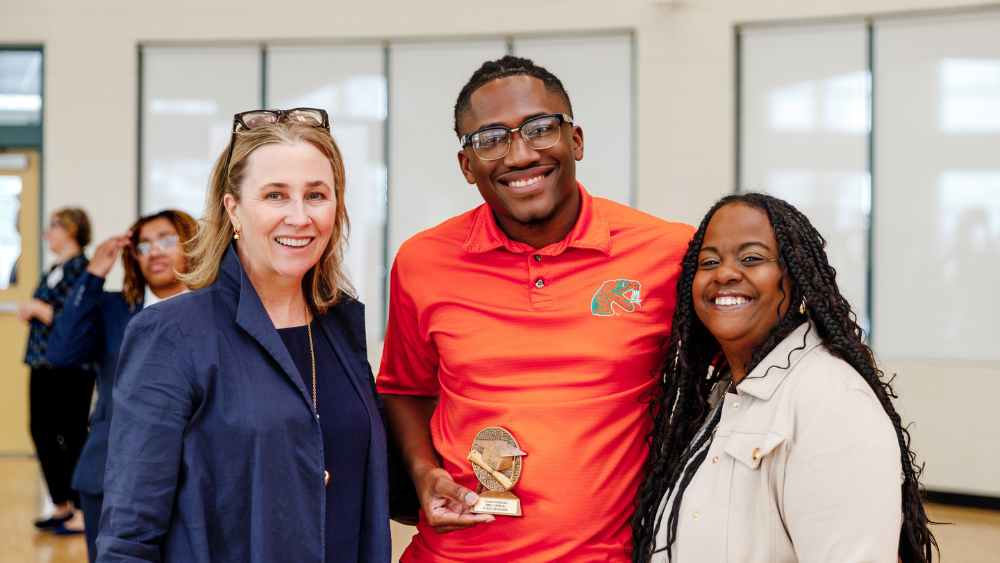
column 251, row 316
column 769, row 373
column 591, row 231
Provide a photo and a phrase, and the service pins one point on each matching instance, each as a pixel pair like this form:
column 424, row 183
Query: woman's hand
column 107, row 253
column 35, row 309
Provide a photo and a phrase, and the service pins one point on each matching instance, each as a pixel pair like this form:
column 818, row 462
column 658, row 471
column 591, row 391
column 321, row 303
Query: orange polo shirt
column 557, row 345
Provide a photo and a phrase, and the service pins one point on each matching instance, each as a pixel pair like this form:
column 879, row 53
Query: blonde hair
column 134, row 283
column 325, row 283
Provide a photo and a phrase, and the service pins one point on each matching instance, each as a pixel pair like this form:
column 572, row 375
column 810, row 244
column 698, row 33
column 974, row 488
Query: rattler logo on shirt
column 626, row 294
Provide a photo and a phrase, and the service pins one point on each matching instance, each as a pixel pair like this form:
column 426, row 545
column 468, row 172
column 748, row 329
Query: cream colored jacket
column 805, row 466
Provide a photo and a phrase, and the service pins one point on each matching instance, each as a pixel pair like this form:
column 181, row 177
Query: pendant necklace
column 312, row 356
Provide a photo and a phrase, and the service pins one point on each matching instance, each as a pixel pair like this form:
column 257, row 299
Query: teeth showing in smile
column 739, row 300
column 523, row 183
column 293, row 241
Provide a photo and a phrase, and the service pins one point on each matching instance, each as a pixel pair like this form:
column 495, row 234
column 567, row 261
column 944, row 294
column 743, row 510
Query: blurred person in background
column 59, row 396
column 247, row 426
column 93, row 323
column 774, row 437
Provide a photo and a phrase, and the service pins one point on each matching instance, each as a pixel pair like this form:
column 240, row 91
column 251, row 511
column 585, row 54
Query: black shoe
column 62, row 530
column 52, row 522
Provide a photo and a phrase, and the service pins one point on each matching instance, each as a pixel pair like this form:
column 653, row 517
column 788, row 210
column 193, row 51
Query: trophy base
column 501, row 503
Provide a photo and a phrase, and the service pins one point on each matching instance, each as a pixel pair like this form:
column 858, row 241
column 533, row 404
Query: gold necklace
column 312, row 356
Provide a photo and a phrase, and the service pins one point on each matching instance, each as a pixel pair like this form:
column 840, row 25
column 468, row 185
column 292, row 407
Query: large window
column 930, row 189
column 20, row 87
column 189, row 98
column 425, row 184
column 932, row 154
column 603, row 107
column 805, row 123
column 20, row 128
column 348, row 81
column 391, row 106
column 937, row 196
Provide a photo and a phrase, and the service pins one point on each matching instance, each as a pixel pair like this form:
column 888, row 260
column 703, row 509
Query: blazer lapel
column 335, row 336
column 253, row 318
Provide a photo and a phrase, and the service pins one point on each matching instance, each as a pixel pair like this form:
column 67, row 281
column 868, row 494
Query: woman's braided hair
column 694, row 364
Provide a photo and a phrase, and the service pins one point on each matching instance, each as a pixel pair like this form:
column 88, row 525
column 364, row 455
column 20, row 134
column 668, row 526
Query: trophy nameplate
column 496, row 461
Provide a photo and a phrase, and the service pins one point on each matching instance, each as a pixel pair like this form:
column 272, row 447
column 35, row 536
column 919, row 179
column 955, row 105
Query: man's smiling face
column 529, row 187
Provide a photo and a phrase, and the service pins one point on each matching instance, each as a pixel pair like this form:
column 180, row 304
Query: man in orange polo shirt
column 541, row 311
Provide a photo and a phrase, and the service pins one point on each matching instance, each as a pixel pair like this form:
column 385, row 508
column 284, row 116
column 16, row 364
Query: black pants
column 60, row 404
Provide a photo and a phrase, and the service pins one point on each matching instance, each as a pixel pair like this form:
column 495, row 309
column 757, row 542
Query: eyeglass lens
column 257, row 119
column 254, row 120
column 541, row 133
column 164, row 244
column 309, row 117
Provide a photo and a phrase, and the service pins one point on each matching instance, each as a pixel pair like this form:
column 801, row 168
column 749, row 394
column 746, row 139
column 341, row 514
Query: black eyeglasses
column 248, row 120
column 493, row 142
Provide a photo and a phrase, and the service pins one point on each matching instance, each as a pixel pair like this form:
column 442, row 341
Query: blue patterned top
column 38, row 337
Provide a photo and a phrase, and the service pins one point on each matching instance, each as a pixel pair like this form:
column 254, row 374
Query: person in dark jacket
column 59, row 400
column 92, row 325
column 247, row 427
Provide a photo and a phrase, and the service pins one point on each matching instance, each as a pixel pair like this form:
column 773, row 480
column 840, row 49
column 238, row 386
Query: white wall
column 685, row 104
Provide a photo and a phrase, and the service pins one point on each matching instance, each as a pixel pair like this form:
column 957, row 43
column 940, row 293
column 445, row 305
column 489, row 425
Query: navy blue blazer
column 215, row 451
column 92, row 326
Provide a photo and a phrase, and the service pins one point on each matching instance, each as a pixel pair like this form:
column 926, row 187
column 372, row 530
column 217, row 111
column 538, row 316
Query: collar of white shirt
column 150, row 298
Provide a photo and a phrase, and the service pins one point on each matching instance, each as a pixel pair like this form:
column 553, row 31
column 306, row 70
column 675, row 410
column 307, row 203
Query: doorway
column 20, row 247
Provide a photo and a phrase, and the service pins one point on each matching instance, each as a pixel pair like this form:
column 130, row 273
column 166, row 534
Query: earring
column 802, row 306
column 236, row 235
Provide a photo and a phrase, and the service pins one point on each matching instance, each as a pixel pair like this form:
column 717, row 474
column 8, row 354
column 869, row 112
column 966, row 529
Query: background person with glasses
column 247, row 426
column 93, row 323
column 541, row 311
column 59, row 396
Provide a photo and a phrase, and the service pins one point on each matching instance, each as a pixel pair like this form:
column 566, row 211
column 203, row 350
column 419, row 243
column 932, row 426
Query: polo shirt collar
column 591, row 231
column 769, row 373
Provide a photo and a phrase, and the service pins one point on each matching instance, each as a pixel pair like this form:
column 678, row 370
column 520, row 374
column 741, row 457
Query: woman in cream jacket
column 790, row 449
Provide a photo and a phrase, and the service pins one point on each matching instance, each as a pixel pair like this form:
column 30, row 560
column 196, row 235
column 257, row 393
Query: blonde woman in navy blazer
column 247, row 427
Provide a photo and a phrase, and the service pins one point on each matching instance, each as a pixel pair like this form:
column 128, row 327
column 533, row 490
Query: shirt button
column 736, row 406
column 539, row 283
column 537, row 257
column 695, row 515
column 756, row 454
column 715, row 459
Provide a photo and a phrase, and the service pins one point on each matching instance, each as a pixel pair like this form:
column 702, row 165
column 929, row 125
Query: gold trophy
column 496, row 461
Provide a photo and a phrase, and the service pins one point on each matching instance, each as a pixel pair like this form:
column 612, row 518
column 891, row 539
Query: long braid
column 845, row 340
column 676, row 417
column 692, row 353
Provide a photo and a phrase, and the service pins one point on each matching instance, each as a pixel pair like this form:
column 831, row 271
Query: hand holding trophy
column 496, row 461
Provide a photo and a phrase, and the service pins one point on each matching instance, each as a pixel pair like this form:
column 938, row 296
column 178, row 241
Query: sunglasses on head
column 253, row 119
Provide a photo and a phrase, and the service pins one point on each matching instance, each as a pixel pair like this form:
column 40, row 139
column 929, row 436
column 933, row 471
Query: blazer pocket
column 749, row 449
